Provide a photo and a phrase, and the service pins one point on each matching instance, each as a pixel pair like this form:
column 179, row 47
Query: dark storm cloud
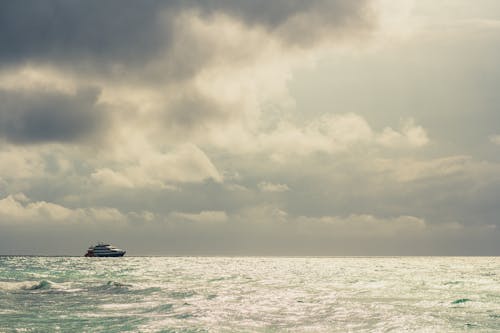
column 298, row 22
column 121, row 39
column 35, row 117
column 121, row 31
column 132, row 32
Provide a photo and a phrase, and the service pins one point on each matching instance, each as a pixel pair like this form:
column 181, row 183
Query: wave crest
column 42, row 285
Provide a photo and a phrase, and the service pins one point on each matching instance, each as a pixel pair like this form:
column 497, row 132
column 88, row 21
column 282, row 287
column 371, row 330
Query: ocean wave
column 160, row 308
column 113, row 286
column 176, row 295
column 42, row 285
column 185, row 315
column 10, row 286
column 117, row 284
column 460, row 301
column 124, row 288
column 223, row 278
column 181, row 294
column 46, row 286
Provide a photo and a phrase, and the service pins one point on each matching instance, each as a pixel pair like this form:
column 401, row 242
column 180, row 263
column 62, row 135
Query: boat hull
column 117, row 254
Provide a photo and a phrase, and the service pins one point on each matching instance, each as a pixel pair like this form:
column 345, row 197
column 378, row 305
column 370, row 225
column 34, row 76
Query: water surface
column 249, row 294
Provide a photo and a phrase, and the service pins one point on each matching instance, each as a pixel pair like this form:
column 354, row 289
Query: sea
column 250, row 294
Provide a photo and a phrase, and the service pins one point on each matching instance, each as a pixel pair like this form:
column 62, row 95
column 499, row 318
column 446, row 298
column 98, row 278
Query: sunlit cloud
column 271, row 187
column 202, row 217
column 19, row 209
column 267, row 123
column 495, row 139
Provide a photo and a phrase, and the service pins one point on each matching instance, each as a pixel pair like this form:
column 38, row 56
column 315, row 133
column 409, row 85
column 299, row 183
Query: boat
column 104, row 250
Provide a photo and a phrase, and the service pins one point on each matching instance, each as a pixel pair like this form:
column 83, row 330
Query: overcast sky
column 283, row 127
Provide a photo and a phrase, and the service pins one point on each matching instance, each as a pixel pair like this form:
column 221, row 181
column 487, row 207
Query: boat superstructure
column 104, row 250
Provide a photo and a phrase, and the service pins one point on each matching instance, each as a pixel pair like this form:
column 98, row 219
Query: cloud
column 410, row 135
column 85, row 31
column 197, row 80
column 334, row 133
column 78, row 29
column 21, row 163
column 181, row 116
column 407, row 170
column 191, row 114
column 37, row 78
column 201, row 217
column 329, row 133
column 264, row 214
column 111, row 178
column 46, row 116
column 189, row 76
column 271, row 187
column 18, row 208
column 362, row 226
column 290, row 20
column 187, row 163
column 495, row 139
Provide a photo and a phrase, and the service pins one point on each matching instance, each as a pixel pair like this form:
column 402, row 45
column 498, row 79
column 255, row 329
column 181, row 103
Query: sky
column 283, row 127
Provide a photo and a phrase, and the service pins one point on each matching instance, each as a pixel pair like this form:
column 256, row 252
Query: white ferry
column 104, row 250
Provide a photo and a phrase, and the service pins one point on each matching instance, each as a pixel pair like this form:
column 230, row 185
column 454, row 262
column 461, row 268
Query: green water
column 190, row 294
